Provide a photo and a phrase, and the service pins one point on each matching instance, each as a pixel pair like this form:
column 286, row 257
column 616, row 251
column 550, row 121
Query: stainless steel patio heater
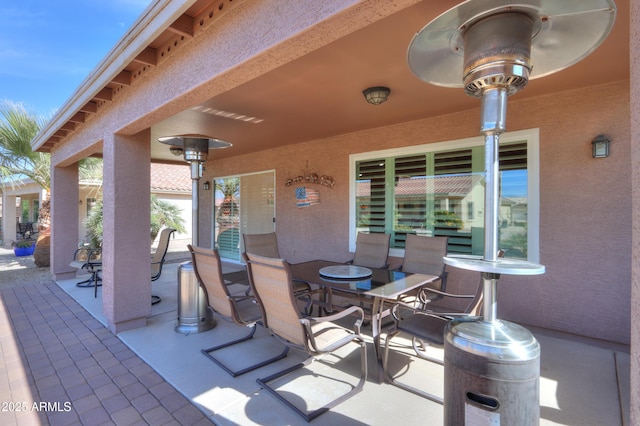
column 194, row 315
column 492, row 48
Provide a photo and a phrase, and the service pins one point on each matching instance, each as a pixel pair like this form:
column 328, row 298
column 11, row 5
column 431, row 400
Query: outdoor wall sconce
column 600, row 146
column 205, row 185
column 376, row 95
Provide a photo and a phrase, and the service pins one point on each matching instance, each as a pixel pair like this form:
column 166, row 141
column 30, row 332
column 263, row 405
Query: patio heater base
column 194, row 315
column 492, row 371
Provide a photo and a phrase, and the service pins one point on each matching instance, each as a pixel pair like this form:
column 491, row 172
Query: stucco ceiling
column 320, row 94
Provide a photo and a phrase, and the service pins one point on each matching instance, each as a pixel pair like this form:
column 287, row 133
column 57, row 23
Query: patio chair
column 425, row 255
column 372, row 250
column 241, row 309
column 86, row 258
column 316, row 336
column 158, row 258
column 266, row 245
column 425, row 325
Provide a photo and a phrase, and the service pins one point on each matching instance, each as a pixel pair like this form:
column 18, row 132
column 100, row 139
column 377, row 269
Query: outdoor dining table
column 382, row 285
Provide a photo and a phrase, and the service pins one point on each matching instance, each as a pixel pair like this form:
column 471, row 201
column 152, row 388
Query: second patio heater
column 194, row 315
column 492, row 48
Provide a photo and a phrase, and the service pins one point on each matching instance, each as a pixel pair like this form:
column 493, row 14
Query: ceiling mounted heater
column 492, row 49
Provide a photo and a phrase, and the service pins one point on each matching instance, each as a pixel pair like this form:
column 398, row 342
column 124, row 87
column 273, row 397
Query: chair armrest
column 337, row 316
column 445, row 294
column 342, row 314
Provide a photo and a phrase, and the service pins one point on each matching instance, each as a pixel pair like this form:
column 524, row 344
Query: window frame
column 531, row 136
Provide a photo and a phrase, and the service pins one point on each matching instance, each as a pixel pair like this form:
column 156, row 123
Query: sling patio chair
column 158, row 258
column 266, row 245
column 425, row 325
column 239, row 308
column 270, row 280
column 372, row 251
column 425, row 255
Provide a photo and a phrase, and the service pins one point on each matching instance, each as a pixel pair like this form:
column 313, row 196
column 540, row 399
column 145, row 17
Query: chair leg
column 95, row 277
column 308, row 416
column 235, row 373
column 391, row 380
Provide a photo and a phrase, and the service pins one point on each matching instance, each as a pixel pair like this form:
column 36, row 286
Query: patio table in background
column 383, row 285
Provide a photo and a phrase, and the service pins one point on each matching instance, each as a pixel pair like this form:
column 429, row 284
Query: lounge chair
column 270, row 279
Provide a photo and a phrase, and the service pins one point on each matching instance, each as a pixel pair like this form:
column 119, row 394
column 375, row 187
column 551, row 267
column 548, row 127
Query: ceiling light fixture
column 376, row 95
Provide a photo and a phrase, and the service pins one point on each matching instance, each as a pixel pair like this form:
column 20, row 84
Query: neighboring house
column 283, row 81
column 25, row 196
column 169, row 182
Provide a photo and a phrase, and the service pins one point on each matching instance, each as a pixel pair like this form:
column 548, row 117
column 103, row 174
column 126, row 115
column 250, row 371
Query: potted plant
column 23, row 247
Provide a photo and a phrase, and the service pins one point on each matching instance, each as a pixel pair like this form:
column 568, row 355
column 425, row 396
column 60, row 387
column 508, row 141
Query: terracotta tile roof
column 170, row 177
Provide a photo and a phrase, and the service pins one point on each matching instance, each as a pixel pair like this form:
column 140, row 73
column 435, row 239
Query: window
column 438, row 189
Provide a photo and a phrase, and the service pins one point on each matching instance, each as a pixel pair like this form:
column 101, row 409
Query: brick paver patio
column 60, row 366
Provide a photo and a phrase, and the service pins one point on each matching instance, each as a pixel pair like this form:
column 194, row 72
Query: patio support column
column 8, row 219
column 126, row 247
column 64, row 214
column 634, row 54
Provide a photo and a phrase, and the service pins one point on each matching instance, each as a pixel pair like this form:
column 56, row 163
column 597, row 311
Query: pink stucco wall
column 635, row 178
column 585, row 205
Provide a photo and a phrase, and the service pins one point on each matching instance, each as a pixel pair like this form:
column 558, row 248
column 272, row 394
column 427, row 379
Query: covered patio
column 583, row 381
column 283, row 82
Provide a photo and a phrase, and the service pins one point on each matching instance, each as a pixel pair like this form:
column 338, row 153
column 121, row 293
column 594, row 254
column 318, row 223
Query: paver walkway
column 60, row 366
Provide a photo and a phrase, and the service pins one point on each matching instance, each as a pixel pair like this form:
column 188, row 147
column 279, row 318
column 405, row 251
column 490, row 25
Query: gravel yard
column 17, row 271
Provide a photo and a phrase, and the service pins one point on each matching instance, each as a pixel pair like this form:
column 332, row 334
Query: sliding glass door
column 243, row 204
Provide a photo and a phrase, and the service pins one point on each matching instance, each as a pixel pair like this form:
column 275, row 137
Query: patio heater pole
column 492, row 367
column 195, row 196
column 194, row 315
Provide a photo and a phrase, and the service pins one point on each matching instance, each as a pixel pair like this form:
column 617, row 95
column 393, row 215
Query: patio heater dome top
column 183, row 141
column 561, row 34
column 194, row 147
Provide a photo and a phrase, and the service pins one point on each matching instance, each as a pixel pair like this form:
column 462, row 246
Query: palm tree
column 17, row 160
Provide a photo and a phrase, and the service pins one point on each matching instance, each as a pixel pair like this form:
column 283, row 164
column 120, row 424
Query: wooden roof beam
column 78, row 117
column 90, row 107
column 182, row 26
column 123, row 78
column 105, row 94
column 148, row 56
column 69, row 125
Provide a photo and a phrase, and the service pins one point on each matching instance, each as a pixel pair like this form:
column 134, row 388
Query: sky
column 49, row 47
